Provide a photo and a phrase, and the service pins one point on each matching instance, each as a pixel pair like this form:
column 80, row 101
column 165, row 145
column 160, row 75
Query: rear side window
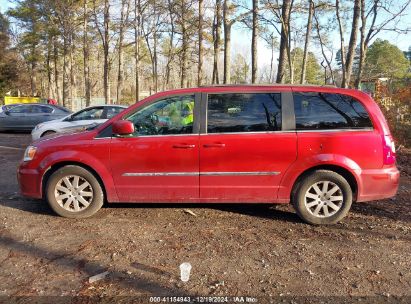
column 324, row 111
column 244, row 112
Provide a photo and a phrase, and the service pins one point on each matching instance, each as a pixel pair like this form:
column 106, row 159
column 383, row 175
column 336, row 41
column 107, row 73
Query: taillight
column 388, row 150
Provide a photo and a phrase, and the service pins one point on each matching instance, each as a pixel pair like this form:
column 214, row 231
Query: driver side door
column 160, row 161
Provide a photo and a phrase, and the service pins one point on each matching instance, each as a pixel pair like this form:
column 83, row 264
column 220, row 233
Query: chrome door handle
column 183, row 146
column 215, row 145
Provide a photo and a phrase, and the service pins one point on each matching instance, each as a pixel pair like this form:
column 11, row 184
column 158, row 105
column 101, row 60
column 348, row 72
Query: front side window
column 89, row 114
column 256, row 112
column 324, row 111
column 24, row 109
column 172, row 115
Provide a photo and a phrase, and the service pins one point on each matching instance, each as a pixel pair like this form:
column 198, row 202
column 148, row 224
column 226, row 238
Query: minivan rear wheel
column 74, row 192
column 323, row 197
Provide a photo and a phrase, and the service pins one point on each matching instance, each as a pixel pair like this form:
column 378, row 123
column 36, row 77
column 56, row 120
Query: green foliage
column 385, row 60
column 313, row 74
column 8, row 62
column 239, row 70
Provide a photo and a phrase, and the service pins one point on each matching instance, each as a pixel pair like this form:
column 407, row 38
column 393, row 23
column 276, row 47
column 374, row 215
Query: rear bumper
column 378, row 184
column 30, row 182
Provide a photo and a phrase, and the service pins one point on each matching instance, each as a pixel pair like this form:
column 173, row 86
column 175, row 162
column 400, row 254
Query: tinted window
column 41, row 109
column 173, row 115
column 244, row 112
column 113, row 111
column 20, row 109
column 329, row 111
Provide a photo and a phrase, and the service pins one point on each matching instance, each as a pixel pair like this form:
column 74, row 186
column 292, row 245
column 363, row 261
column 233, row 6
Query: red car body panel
column 252, row 152
column 171, row 154
column 289, row 153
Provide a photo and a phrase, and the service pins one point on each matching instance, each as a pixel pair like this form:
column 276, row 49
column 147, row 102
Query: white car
column 79, row 120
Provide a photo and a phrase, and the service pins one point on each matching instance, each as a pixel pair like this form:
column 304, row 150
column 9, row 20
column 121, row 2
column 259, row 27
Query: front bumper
column 29, row 181
column 378, row 184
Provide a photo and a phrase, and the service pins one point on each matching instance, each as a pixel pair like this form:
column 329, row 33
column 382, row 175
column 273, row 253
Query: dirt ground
column 265, row 253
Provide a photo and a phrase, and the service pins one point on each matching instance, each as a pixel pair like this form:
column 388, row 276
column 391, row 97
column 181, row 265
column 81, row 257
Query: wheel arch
column 349, row 176
column 53, row 168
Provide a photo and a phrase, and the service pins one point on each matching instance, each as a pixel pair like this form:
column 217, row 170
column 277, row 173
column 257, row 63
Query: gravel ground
column 262, row 252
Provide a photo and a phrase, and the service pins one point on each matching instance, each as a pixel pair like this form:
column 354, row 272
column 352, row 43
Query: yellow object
column 12, row 100
column 188, row 116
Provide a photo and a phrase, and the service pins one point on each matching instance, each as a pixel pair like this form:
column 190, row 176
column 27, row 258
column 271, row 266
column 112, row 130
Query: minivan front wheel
column 74, row 192
column 323, row 197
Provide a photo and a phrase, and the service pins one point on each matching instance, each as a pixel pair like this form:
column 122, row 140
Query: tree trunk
column 272, row 61
column 217, row 37
column 285, row 16
column 155, row 55
column 106, row 72
column 342, row 43
column 363, row 49
column 56, row 70
column 72, row 74
column 307, row 40
column 184, row 45
column 86, row 57
column 137, row 13
column 227, row 43
column 66, row 71
column 170, row 54
column 48, row 67
column 353, row 42
column 120, row 74
column 200, row 43
column 254, row 38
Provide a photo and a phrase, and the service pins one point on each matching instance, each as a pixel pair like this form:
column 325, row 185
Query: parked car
column 77, row 121
column 24, row 117
column 320, row 148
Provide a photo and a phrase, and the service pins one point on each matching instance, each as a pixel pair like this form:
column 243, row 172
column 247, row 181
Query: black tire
column 95, row 201
column 47, row 133
column 305, row 186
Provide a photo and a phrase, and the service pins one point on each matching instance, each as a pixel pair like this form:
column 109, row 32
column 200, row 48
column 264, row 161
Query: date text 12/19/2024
column 206, row 299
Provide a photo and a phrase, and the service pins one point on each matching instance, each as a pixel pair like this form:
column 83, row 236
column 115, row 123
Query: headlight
column 29, row 153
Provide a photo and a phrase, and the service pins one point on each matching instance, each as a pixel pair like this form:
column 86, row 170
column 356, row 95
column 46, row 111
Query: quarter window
column 329, row 111
column 257, row 112
column 173, row 115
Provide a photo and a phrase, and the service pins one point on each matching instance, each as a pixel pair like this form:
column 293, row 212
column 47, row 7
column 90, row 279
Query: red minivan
column 320, row 148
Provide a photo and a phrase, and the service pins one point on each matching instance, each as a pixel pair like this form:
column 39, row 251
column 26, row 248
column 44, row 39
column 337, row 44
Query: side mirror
column 69, row 118
column 7, row 112
column 123, row 127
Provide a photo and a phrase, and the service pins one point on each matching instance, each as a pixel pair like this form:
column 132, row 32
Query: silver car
column 77, row 121
column 24, row 117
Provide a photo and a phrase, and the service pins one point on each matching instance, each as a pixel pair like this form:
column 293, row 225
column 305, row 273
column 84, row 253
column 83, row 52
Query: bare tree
column 352, row 43
column 228, row 22
column 137, row 18
column 125, row 5
column 323, row 51
column 216, row 38
column 200, row 43
column 105, row 40
column 307, row 40
column 285, row 41
column 254, row 60
column 86, row 55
